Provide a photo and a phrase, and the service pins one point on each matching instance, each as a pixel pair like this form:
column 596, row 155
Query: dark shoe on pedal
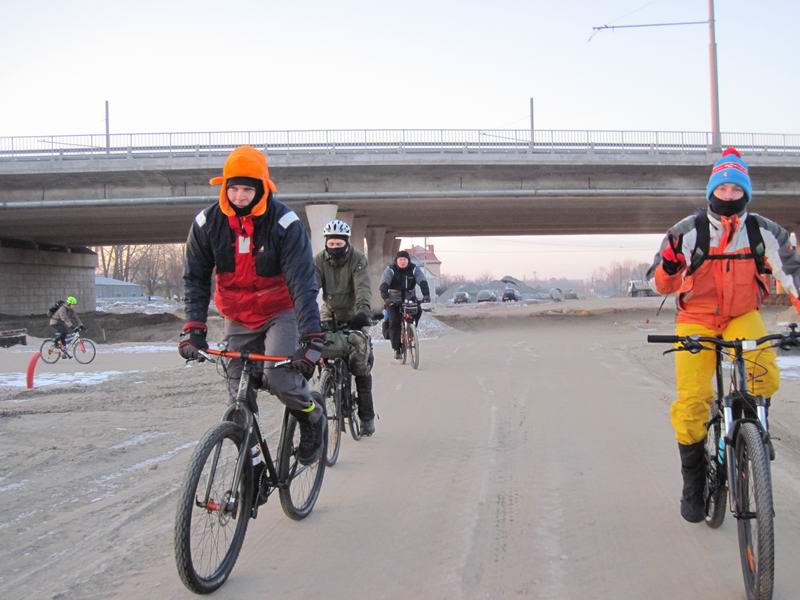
column 693, row 470
column 312, row 429
column 367, row 427
column 398, row 355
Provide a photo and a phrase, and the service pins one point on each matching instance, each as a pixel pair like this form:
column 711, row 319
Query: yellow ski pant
column 694, row 374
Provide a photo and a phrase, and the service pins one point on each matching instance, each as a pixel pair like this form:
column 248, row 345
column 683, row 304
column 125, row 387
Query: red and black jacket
column 264, row 266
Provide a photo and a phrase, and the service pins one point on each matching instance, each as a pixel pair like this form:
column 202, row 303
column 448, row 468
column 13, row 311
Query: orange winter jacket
column 722, row 289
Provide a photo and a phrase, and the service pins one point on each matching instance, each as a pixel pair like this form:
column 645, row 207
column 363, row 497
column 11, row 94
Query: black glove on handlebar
column 188, row 347
column 308, row 353
column 360, row 321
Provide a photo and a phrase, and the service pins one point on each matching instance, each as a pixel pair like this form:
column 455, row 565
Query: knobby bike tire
column 191, row 518
column 333, row 409
column 49, row 352
column 404, row 341
column 754, row 486
column 84, row 351
column 715, row 492
column 413, row 346
column 353, row 422
column 302, row 482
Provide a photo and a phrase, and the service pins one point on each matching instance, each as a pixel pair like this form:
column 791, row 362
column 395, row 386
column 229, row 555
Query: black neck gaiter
column 728, row 208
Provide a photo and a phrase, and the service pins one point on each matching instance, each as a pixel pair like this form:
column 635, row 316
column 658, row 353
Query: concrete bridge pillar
column 376, row 237
column 359, row 227
column 33, row 279
column 318, row 215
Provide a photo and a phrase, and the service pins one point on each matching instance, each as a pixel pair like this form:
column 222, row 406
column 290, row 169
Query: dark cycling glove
column 360, row 321
column 672, row 259
column 308, row 353
column 188, row 347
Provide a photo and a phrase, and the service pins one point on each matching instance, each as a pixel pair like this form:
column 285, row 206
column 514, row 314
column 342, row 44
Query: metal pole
column 716, row 138
column 532, row 129
column 108, row 136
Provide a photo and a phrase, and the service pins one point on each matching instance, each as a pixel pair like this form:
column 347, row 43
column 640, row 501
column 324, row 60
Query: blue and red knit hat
column 730, row 169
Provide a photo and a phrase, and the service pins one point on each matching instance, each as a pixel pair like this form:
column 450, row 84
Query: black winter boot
column 312, row 431
column 693, row 469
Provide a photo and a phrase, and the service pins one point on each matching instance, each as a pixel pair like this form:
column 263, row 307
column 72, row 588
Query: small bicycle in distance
column 220, row 493
column 738, row 453
column 82, row 349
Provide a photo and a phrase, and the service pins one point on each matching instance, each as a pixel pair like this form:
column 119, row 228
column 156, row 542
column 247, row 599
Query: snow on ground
column 17, row 380
column 790, row 366
column 137, row 305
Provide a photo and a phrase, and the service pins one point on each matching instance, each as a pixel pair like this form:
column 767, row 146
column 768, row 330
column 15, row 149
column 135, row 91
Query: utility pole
column 716, row 137
column 108, row 135
column 532, row 129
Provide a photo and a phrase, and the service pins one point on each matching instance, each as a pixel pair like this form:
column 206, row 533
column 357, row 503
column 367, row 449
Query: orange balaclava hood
column 244, row 161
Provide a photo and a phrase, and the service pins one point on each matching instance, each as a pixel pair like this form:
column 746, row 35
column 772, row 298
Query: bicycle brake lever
column 671, row 350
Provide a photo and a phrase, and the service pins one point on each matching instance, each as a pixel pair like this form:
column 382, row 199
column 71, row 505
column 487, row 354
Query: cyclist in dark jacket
column 397, row 284
column 265, row 287
column 346, row 295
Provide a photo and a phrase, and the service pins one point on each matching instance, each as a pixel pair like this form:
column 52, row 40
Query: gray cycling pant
column 277, row 337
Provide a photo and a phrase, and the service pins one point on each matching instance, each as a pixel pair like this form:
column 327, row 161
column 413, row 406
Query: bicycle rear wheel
column 84, row 351
column 209, row 533
column 753, row 503
column 413, row 346
column 715, row 492
column 333, row 408
column 49, row 352
column 302, row 482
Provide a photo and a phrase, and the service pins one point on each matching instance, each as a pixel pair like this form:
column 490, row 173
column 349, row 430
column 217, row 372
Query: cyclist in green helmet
column 64, row 319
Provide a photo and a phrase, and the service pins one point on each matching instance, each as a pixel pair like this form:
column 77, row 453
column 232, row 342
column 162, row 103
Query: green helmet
column 72, row 300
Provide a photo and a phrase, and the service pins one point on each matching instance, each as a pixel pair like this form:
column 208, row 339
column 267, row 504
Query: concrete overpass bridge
column 75, row 191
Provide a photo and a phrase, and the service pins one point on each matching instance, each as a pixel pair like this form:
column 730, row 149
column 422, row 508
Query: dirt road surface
column 526, row 458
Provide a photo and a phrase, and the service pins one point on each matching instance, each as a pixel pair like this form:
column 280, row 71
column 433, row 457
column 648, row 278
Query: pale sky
column 315, row 64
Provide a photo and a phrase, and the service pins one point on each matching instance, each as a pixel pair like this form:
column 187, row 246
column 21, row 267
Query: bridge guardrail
column 387, row 141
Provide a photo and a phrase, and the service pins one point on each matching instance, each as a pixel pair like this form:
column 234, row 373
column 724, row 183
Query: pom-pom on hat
column 730, row 168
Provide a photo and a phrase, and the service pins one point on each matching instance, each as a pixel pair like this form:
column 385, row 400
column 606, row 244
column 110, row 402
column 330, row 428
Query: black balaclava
column 728, row 208
column 337, row 253
column 250, row 182
column 403, row 254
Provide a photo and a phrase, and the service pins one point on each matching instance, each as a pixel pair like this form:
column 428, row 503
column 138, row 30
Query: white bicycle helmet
column 337, row 227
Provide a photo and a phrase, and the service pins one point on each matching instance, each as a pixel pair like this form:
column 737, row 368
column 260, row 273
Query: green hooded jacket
column 345, row 285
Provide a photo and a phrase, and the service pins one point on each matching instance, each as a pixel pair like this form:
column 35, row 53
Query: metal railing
column 339, row 141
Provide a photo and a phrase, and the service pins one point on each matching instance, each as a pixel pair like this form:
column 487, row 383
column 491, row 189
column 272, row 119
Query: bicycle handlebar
column 278, row 360
column 695, row 340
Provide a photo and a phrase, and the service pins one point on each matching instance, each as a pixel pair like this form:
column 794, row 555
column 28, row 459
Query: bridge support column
column 376, row 238
column 359, row 226
column 33, row 279
column 318, row 215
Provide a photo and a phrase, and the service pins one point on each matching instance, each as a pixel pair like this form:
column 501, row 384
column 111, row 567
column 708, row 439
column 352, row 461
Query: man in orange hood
column 714, row 262
column 265, row 287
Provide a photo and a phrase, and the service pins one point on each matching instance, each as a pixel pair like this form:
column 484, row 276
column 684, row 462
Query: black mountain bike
column 738, row 454
column 335, row 385
column 220, row 494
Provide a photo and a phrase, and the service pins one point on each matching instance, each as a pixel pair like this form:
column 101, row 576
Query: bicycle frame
column 253, row 432
column 730, row 422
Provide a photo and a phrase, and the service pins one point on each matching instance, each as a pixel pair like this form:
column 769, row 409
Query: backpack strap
column 703, row 242
column 757, row 246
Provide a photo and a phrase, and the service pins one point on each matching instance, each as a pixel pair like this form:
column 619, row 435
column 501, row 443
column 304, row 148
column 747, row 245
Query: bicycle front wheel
column 355, row 424
column 715, row 492
column 753, row 504
column 333, row 408
column 404, row 341
column 84, row 351
column 302, row 482
column 49, row 352
column 413, row 346
column 212, row 518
